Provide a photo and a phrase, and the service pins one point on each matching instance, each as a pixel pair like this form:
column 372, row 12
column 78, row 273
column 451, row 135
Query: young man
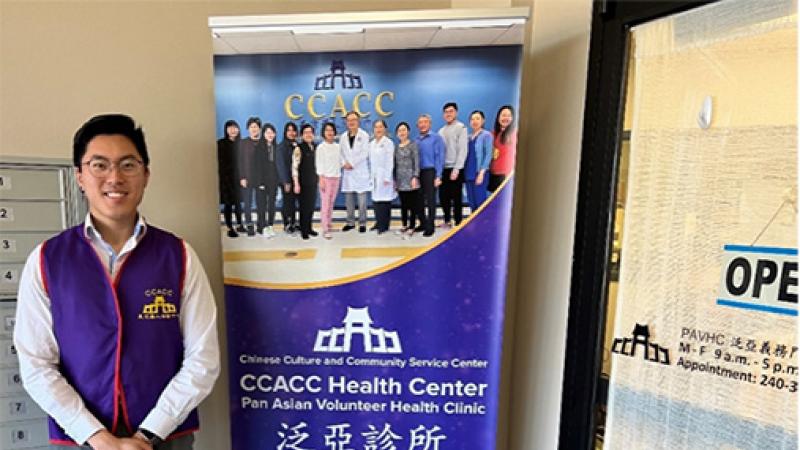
column 431, row 163
column 116, row 322
column 456, row 142
column 249, row 148
column 356, row 181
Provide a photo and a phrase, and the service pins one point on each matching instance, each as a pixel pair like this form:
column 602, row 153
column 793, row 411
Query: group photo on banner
column 365, row 208
column 456, row 159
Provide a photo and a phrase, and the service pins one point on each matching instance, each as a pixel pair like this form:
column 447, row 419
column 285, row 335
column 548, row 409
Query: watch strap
column 152, row 438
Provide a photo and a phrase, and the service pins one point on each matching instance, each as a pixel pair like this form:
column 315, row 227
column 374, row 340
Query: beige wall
column 553, row 93
column 61, row 62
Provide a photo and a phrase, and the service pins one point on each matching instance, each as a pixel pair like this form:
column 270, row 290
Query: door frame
column 597, row 183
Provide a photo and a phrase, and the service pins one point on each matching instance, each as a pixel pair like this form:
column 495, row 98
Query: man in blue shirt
column 431, row 163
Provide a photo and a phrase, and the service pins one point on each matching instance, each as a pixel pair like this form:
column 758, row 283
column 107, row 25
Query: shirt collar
column 91, row 232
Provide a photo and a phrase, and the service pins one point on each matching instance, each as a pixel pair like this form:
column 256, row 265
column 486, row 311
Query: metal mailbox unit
column 38, row 198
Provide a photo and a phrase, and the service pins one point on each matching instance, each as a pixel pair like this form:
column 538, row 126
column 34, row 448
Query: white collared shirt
column 39, row 354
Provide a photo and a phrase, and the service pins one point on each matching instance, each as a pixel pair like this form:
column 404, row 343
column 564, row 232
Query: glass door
column 696, row 293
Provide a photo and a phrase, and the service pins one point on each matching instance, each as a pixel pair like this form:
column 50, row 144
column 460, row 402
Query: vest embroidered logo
column 159, row 308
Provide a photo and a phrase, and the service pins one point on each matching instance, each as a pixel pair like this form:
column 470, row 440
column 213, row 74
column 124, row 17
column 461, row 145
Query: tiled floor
column 289, row 260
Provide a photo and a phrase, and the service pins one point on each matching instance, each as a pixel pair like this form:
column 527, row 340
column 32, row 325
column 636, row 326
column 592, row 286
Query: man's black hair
column 253, row 120
column 449, row 104
column 108, row 124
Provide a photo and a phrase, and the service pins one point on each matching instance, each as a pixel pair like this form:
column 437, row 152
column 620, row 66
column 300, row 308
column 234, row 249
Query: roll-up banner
column 375, row 331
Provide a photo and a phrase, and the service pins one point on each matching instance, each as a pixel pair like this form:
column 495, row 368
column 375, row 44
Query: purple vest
column 120, row 340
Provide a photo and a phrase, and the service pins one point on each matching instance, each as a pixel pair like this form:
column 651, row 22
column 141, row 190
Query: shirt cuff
column 83, row 428
column 158, row 423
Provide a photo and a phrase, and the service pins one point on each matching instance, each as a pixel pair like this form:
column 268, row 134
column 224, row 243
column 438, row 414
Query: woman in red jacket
column 505, row 147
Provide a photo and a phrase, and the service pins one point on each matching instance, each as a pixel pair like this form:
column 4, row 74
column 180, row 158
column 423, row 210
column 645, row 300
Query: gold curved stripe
column 269, row 255
column 369, row 274
column 379, row 252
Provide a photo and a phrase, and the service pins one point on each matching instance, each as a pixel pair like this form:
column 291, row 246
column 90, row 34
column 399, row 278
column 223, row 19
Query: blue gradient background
column 423, row 81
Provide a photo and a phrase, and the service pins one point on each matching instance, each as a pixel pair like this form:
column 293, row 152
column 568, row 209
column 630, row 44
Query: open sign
column 760, row 279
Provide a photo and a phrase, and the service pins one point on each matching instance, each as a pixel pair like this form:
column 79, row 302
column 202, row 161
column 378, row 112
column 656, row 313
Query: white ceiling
column 369, row 39
column 367, row 31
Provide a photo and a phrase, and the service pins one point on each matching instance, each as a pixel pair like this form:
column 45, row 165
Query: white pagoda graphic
column 357, row 322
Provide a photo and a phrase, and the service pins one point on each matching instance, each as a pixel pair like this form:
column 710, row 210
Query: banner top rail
column 386, row 19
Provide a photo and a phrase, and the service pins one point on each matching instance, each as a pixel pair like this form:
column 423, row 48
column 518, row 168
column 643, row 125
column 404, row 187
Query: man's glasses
column 101, row 167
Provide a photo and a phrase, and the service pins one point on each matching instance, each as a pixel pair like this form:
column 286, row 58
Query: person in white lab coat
column 356, row 181
column 381, row 165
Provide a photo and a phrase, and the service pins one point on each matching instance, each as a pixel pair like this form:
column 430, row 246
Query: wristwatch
column 151, row 437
